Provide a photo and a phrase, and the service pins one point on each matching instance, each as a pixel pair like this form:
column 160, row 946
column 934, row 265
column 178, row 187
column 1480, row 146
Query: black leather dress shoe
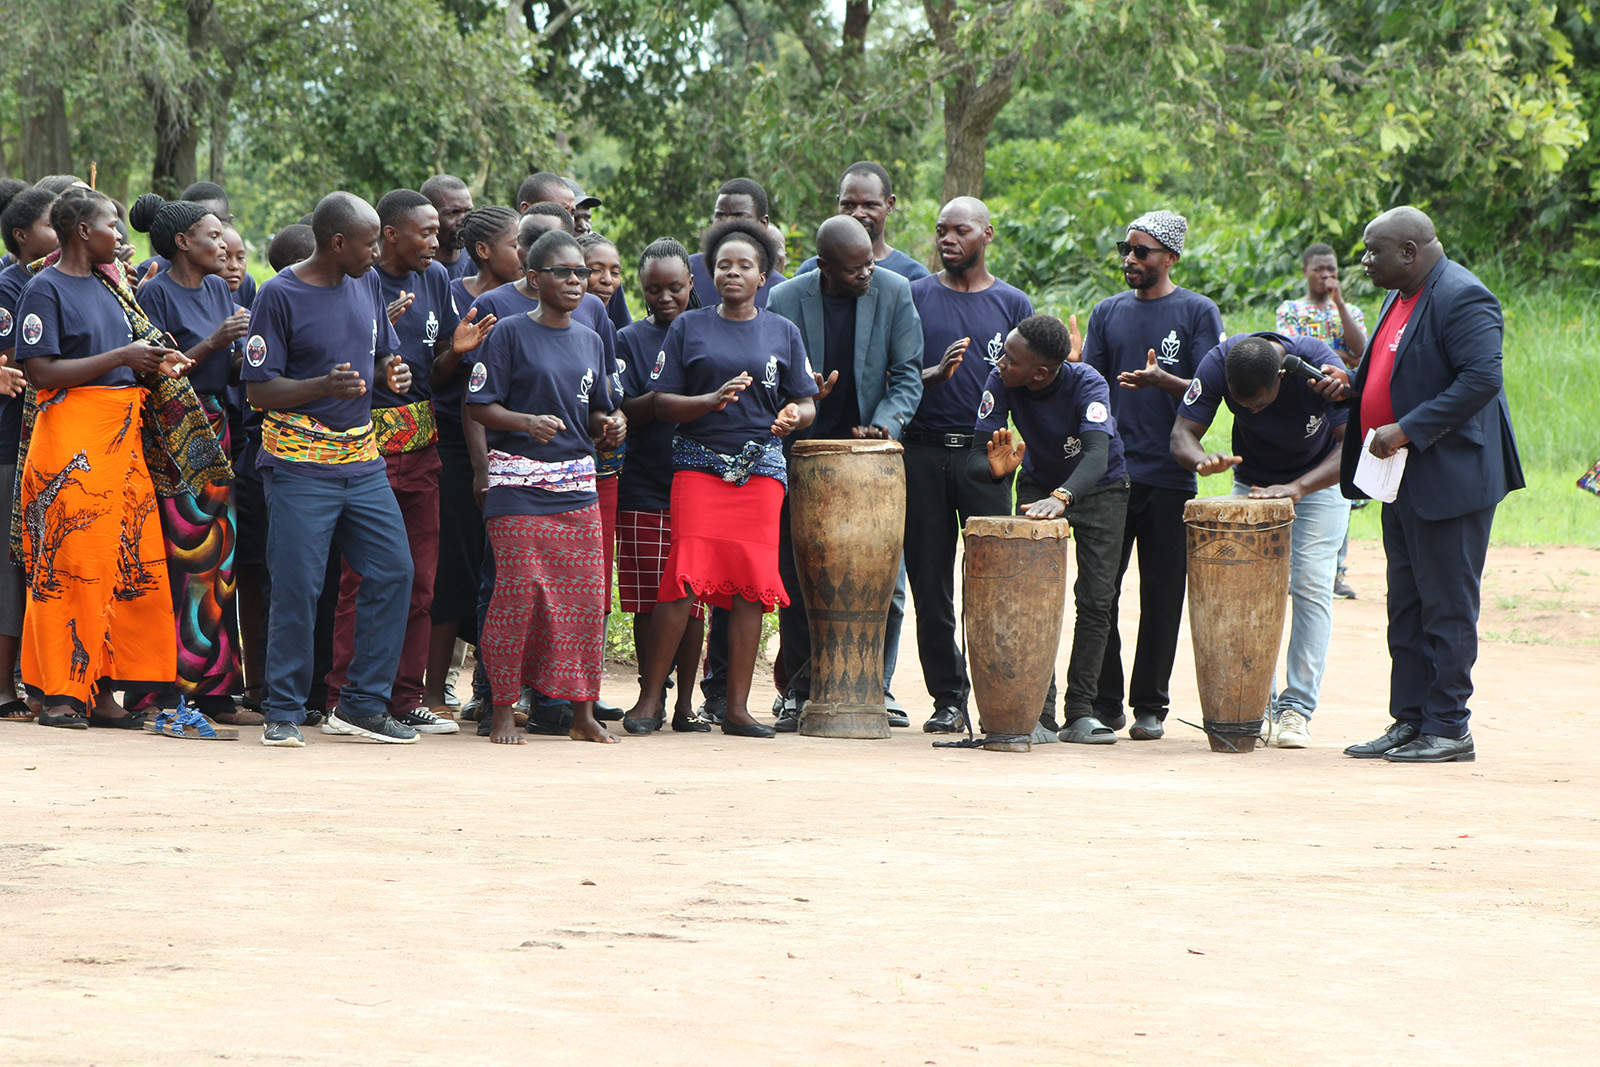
column 753, row 729
column 1399, row 733
column 1431, row 748
column 946, row 720
column 1147, row 726
column 643, row 725
column 605, row 711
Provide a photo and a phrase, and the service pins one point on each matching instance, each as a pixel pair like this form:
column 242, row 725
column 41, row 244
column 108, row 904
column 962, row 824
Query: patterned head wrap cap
column 1164, row 226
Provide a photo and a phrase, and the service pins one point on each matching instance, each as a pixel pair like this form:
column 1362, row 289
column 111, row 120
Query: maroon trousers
column 414, row 476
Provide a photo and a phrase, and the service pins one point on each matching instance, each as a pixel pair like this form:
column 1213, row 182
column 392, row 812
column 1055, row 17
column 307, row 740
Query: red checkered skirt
column 724, row 541
column 644, row 540
column 546, row 623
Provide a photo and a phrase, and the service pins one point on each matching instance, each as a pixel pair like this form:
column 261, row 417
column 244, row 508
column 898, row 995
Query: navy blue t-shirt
column 299, row 331
column 1289, row 436
column 244, row 297
column 646, row 479
column 703, row 350
column 507, row 300
column 1052, row 422
column 13, row 280
column 431, row 316
column 447, row 397
column 1181, row 327
column 947, row 316
column 707, row 289
column 535, row 369
column 896, row 260
column 617, row 309
column 462, row 266
column 69, row 317
column 191, row 316
column 841, row 411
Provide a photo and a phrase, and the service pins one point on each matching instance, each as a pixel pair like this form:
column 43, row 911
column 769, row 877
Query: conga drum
column 847, row 518
column 1013, row 593
column 1238, row 593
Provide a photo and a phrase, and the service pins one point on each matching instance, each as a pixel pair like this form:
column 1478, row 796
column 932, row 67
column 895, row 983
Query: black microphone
column 1299, row 367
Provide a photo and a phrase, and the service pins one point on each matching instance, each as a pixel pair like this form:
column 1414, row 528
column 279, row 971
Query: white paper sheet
column 1379, row 478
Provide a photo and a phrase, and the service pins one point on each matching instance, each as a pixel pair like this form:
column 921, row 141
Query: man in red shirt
column 1431, row 382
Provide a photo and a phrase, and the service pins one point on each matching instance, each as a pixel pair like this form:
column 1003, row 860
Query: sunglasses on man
column 1139, row 251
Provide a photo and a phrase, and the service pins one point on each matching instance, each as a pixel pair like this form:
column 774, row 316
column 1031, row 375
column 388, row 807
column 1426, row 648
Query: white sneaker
column 426, row 722
column 1267, row 723
column 1294, row 729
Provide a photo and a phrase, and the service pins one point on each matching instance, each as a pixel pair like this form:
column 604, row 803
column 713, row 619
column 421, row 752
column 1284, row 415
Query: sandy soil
column 698, row 899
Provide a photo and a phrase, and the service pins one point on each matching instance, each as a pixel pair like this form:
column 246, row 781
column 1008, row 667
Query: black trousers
column 1097, row 520
column 1435, row 577
column 939, row 500
column 1155, row 525
column 715, row 682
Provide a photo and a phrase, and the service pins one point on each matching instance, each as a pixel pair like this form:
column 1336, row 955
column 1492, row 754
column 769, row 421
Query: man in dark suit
column 1430, row 381
column 864, row 340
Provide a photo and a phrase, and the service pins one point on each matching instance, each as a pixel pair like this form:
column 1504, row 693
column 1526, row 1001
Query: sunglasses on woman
column 1139, row 251
column 561, row 274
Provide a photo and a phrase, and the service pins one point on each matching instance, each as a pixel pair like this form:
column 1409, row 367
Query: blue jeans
column 1320, row 522
column 307, row 515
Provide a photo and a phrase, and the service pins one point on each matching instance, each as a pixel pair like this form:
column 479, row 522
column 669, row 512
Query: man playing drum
column 1072, row 465
column 1287, row 438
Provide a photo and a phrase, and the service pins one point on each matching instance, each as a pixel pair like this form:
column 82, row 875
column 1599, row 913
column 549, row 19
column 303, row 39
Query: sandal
column 72, row 720
column 16, row 711
column 185, row 722
column 1088, row 731
column 133, row 720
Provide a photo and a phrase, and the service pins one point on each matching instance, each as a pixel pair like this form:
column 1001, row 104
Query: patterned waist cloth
column 559, row 476
column 298, row 438
column 756, row 457
column 410, row 428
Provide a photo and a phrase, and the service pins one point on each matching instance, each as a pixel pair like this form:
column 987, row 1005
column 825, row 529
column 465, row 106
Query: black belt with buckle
column 939, row 440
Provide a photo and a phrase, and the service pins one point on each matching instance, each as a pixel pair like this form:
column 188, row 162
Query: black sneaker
column 282, row 735
column 946, row 720
column 715, row 707
column 788, row 713
column 424, row 721
column 373, row 727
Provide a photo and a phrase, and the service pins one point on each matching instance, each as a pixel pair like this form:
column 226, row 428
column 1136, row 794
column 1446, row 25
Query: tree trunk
column 970, row 108
column 177, row 143
column 46, row 137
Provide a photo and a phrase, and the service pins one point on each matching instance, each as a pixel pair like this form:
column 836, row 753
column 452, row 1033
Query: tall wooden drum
column 1238, row 593
column 847, row 517
column 1013, row 593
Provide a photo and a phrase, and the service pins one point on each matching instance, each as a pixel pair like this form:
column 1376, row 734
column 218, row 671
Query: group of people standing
column 443, row 423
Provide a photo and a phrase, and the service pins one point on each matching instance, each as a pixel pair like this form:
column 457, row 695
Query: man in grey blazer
column 1430, row 382
column 864, row 341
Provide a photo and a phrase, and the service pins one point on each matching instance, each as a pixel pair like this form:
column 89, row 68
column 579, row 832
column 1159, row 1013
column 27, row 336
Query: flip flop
column 1088, row 731
column 187, row 723
column 16, row 711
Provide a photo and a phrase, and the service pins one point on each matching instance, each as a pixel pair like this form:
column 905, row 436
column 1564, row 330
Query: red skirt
column 724, row 541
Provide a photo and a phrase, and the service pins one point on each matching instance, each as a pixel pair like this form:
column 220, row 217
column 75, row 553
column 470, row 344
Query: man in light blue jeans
column 1286, row 440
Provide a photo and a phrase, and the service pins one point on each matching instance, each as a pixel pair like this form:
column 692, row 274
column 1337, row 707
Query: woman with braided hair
column 99, row 610
column 192, row 303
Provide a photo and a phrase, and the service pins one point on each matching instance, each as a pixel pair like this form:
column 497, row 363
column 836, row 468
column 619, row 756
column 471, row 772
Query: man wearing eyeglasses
column 1148, row 340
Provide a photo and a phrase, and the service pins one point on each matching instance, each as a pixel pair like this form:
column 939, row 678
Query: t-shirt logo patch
column 586, row 386
column 1195, row 389
column 1095, row 412
column 479, row 377
column 1072, row 447
column 1169, row 347
column 255, row 350
column 32, row 330
column 1313, row 424
column 430, row 329
column 769, row 377
column 6, row 322
column 996, row 348
column 661, row 362
column 986, row 407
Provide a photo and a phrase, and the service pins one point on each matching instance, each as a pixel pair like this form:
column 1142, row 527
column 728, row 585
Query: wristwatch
column 1063, row 495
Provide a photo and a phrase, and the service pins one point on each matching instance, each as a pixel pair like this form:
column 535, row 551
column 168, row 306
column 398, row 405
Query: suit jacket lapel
column 1420, row 310
column 865, row 309
column 811, row 312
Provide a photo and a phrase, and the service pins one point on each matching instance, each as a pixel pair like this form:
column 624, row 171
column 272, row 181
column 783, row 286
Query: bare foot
column 591, row 731
column 503, row 729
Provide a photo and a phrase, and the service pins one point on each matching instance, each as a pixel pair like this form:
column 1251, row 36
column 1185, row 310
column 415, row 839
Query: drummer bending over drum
column 1072, row 466
column 1287, row 439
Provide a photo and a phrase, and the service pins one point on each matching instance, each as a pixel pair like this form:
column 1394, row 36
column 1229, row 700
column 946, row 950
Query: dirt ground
column 696, row 899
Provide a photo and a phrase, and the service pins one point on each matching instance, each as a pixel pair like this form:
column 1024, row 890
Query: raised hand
column 729, row 393
column 1216, row 463
column 11, row 379
column 948, row 363
column 470, row 334
column 824, row 386
column 342, row 383
column 1004, row 456
column 786, row 421
column 1075, row 336
column 1148, row 375
column 398, row 306
column 397, row 375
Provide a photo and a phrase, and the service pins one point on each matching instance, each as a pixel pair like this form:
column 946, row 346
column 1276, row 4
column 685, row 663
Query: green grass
column 1552, row 378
